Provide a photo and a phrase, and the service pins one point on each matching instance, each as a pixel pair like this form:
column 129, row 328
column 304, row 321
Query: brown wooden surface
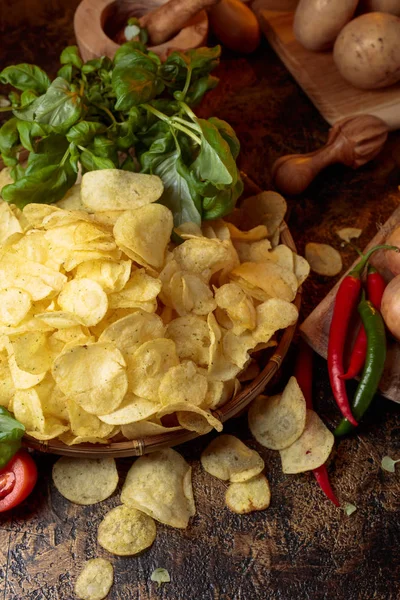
column 301, row 548
column 317, row 74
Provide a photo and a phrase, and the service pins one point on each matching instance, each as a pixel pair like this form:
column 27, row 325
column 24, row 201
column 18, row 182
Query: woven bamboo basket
column 271, row 361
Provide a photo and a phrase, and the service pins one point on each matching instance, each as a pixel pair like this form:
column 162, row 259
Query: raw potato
column 125, row 531
column 392, row 258
column 390, row 307
column 385, row 6
column 95, row 580
column 85, row 480
column 248, row 496
column 367, row 51
column 318, row 22
column 235, row 25
column 323, row 259
column 227, row 458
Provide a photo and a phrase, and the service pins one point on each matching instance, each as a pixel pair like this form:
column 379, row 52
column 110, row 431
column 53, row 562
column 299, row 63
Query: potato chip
column 248, row 496
column 27, row 409
column 85, row 299
column 9, row 224
column 203, row 257
column 148, row 364
column 189, row 293
column 115, row 189
column 254, row 251
column 72, row 199
column 145, row 232
column 133, row 431
column 32, row 352
column 111, row 276
column 75, row 257
column 192, row 338
column 311, row 449
column 220, row 368
column 132, row 409
column 95, row 580
column 128, row 333
column 266, row 280
column 238, row 306
column 141, row 288
column 58, row 319
column 257, row 233
column 183, row 383
column 272, row 315
column 188, row 230
column 251, row 372
column 217, row 229
column 160, row 485
column 53, row 428
column 35, row 213
column 323, row 259
column 349, row 233
column 227, row 458
column 301, row 268
column 283, row 256
column 15, row 303
column 236, row 348
column 278, row 421
column 85, row 480
column 78, row 235
column 195, row 418
column 125, row 531
column 69, row 439
column 33, row 277
column 54, row 403
column 22, row 379
column 268, row 208
column 7, row 389
column 108, row 218
column 84, row 424
column 218, row 395
column 94, row 376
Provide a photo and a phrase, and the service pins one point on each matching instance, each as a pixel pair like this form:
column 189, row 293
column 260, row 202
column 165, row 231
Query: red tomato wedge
column 17, row 480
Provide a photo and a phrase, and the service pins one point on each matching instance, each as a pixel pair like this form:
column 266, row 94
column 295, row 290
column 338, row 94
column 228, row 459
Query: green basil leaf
column 17, row 172
column 95, row 64
column 7, row 451
column 25, row 77
column 40, row 130
column 14, row 98
column 9, row 136
column 228, row 134
column 199, row 87
column 26, row 112
column 74, row 157
column 201, row 61
column 91, row 162
column 129, row 165
column 70, row 55
column 223, row 202
column 135, row 85
column 60, row 107
column 24, row 130
column 126, row 138
column 46, row 185
column 11, row 430
column 66, row 72
column 27, row 97
column 83, row 132
column 49, row 152
column 125, row 52
column 215, row 162
column 104, row 147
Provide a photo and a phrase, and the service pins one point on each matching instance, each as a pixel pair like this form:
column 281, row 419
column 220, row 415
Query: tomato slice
column 17, row 480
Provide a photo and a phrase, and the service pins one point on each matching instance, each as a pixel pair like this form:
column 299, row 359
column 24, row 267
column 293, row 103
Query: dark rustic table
column 302, row 547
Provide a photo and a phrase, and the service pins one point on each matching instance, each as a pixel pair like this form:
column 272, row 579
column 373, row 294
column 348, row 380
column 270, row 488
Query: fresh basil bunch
column 11, row 432
column 132, row 113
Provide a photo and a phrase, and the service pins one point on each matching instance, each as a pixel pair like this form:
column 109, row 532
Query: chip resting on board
column 85, row 480
column 125, row 531
column 248, row 496
column 95, row 580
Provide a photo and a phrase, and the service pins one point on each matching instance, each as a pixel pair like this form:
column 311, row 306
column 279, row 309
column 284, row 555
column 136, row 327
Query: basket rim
column 231, row 408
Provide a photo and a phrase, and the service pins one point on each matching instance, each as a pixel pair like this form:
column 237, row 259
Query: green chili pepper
column 374, row 364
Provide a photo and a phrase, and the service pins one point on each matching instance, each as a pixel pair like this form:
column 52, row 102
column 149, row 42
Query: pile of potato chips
column 106, row 326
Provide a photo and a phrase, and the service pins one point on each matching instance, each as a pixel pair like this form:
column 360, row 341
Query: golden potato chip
column 266, row 280
column 251, row 372
column 15, row 303
column 141, row 288
column 75, row 257
column 107, row 218
column 257, row 233
column 236, row 348
column 132, row 409
column 115, row 189
column 7, row 389
column 129, row 332
column 143, row 234
column 58, row 319
column 248, row 496
column 75, row 234
column 311, row 449
column 94, row 376
column 220, row 368
column 35, row 213
column 301, row 268
column 125, row 531
column 203, row 257
column 183, row 383
column 54, row 403
column 33, row 277
column 53, row 428
column 188, row 230
column 72, row 199
column 272, row 315
column 253, row 252
column 160, row 485
column 84, row 424
column 219, row 392
column 69, row 439
column 192, row 338
column 85, row 480
column 268, row 208
column 349, row 233
column 227, row 458
column 133, row 431
column 278, row 421
column 323, row 259
column 195, row 418
column 189, row 293
column 22, row 379
column 216, row 229
column 193, row 422
column 32, row 352
column 238, row 306
column 148, row 364
column 283, row 256
column 27, row 409
column 9, row 224
column 112, row 276
column 95, row 580
column 85, row 299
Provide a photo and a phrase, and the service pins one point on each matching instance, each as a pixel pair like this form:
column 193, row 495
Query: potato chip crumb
column 349, row 233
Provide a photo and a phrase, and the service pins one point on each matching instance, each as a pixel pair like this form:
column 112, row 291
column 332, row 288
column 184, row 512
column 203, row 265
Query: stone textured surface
column 302, row 546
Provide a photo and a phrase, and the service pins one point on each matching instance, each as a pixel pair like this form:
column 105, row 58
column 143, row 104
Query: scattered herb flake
column 388, row 464
column 349, row 508
column 160, row 576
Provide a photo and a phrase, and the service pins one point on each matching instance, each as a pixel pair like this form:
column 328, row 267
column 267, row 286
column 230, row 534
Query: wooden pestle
column 165, row 21
column 353, row 141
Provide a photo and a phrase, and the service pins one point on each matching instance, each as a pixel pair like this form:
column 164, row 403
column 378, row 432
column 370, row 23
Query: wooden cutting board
column 317, row 74
column 315, row 328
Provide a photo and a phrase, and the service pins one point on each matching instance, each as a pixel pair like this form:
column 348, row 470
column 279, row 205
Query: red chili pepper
column 303, row 373
column 375, row 287
column 346, row 300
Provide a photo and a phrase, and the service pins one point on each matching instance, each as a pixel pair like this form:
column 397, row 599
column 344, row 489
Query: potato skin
column 367, row 51
column 392, row 259
column 390, row 307
column 318, row 22
column 385, row 6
